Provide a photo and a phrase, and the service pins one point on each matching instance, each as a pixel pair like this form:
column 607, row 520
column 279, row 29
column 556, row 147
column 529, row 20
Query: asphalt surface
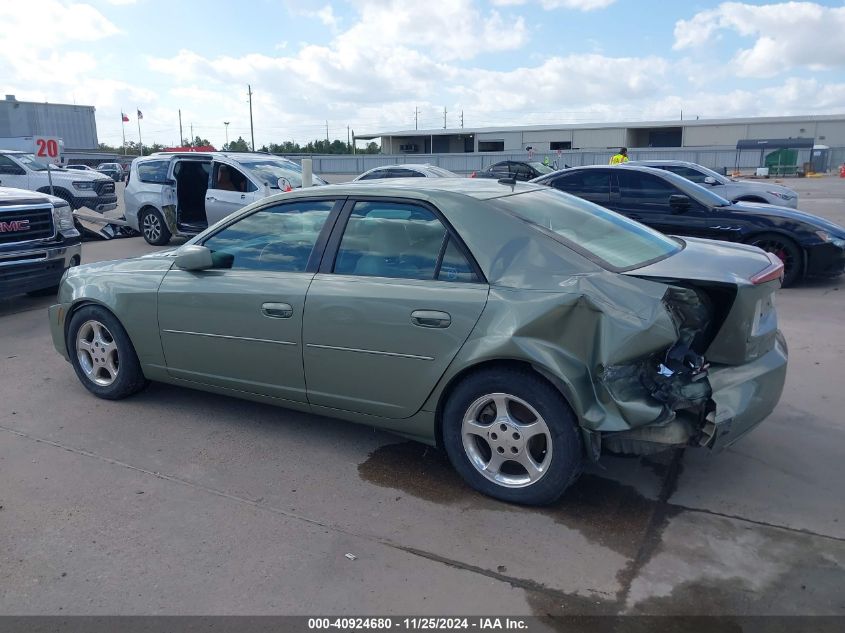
column 181, row 502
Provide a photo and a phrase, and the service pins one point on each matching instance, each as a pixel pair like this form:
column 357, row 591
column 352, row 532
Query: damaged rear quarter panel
column 571, row 334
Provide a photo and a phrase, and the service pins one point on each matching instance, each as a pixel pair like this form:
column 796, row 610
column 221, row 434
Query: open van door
column 189, row 178
column 229, row 190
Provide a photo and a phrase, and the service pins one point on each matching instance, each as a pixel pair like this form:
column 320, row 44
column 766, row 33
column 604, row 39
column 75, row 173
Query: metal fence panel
column 717, row 158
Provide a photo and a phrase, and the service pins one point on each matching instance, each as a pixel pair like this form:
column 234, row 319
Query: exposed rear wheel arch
column 153, row 226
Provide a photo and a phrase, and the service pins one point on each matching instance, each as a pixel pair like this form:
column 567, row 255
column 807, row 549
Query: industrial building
column 826, row 130
column 74, row 124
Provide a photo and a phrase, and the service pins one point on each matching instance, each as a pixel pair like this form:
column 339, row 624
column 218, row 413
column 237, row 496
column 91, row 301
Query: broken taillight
column 771, row 272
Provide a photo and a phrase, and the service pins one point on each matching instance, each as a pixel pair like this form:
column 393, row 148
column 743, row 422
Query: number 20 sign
column 47, row 149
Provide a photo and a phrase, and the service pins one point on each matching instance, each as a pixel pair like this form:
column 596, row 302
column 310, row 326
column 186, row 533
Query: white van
column 182, row 194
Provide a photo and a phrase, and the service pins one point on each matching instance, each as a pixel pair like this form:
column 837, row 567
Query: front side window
column 592, row 184
column 278, row 238
column 33, row 163
column 403, row 241
column 608, row 238
column 228, row 178
column 153, row 171
column 10, row 167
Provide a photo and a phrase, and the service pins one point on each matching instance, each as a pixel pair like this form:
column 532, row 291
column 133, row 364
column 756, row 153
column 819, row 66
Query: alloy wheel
column 779, row 249
column 506, row 440
column 152, row 227
column 96, row 351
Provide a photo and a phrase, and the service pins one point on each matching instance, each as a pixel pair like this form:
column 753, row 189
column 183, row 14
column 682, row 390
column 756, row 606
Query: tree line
column 319, row 146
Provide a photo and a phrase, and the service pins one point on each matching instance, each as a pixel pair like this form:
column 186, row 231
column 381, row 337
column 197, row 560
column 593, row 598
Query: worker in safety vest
column 621, row 157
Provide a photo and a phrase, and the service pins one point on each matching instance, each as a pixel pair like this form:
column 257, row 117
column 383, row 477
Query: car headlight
column 63, row 218
column 83, row 185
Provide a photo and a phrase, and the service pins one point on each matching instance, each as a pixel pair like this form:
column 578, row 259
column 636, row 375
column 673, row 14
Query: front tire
column 102, row 354
column 153, row 228
column 512, row 436
column 786, row 250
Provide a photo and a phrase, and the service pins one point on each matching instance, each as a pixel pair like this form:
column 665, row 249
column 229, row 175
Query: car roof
column 680, row 163
column 237, row 156
column 480, row 189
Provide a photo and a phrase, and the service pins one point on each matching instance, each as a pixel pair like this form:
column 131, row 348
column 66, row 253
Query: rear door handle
column 211, row 198
column 431, row 318
column 277, row 310
column 243, row 196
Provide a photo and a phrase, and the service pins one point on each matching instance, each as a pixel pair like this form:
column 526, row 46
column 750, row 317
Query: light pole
column 226, row 123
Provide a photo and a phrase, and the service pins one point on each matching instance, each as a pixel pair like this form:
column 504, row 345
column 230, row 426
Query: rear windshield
column 611, row 240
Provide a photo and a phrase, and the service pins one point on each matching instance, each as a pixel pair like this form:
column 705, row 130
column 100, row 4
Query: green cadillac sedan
column 522, row 330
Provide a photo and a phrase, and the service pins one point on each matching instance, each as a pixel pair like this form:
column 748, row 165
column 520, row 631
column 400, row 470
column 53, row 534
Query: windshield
column 445, row 173
column 611, row 240
column 540, row 168
column 269, row 171
column 30, row 161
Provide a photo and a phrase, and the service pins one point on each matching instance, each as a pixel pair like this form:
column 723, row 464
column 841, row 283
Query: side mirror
column 194, row 257
column 679, row 203
column 709, row 180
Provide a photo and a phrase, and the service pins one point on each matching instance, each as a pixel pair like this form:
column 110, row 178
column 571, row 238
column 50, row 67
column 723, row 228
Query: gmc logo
column 14, row 226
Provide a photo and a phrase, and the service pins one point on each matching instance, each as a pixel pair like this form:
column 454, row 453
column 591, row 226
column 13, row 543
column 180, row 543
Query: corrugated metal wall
column 74, row 124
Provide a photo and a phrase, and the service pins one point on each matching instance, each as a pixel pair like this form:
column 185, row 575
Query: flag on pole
column 124, row 118
column 140, row 115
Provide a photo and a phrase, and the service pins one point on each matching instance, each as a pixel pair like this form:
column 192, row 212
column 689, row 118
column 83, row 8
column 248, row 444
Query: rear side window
column 153, row 171
column 645, row 188
column 375, row 175
column 405, row 173
column 402, row 241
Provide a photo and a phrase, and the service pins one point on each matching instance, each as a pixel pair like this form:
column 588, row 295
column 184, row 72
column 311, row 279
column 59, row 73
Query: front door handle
column 277, row 310
column 431, row 318
column 243, row 196
column 211, row 199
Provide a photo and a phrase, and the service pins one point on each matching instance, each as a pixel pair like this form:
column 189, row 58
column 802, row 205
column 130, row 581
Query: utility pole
column 181, row 138
column 192, row 134
column 444, row 117
column 416, row 118
column 251, row 128
column 348, row 140
column 226, row 123
column 327, row 134
column 462, row 119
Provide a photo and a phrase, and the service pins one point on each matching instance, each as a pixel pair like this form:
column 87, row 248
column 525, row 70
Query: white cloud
column 578, row 5
column 788, row 35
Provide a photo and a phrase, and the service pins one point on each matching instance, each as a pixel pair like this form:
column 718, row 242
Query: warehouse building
column 826, row 130
column 74, row 124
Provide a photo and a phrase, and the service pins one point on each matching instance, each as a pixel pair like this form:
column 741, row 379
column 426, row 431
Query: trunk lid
column 741, row 322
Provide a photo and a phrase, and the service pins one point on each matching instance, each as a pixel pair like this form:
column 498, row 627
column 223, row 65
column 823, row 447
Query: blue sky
column 368, row 64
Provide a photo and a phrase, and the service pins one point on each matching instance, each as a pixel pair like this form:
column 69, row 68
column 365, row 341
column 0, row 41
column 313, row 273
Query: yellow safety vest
column 618, row 158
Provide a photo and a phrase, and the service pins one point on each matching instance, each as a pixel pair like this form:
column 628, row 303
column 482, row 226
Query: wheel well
column 146, row 208
column 483, row 366
column 76, row 307
column 802, row 252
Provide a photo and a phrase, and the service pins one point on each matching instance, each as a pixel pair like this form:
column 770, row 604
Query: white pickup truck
column 78, row 188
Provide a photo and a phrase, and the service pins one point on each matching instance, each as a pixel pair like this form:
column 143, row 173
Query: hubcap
column 152, row 227
column 506, row 440
column 96, row 352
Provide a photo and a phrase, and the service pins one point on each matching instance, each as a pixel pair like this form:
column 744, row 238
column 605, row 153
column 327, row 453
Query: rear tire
column 512, row 436
column 153, row 227
column 102, row 355
column 788, row 252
